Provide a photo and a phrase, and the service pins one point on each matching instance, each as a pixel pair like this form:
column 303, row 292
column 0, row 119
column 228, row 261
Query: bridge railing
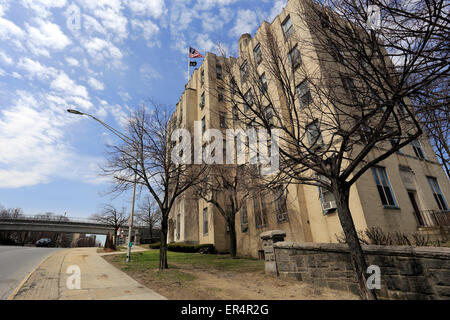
column 52, row 219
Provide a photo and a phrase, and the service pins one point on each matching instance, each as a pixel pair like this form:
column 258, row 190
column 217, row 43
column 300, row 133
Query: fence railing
column 433, row 218
column 52, row 219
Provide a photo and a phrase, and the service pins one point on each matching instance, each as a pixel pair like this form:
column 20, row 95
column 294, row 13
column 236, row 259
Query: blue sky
column 118, row 55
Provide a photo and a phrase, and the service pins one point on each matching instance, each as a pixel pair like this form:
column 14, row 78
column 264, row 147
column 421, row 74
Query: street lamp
column 126, row 140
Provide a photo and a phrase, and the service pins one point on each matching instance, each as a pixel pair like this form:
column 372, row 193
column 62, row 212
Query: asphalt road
column 16, row 263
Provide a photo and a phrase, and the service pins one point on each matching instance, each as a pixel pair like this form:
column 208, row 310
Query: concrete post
column 269, row 238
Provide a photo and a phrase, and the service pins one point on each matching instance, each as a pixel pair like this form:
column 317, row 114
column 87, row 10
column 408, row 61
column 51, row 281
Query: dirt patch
column 186, row 282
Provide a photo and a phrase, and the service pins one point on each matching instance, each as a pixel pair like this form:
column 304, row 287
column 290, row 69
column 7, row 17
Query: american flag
column 194, row 53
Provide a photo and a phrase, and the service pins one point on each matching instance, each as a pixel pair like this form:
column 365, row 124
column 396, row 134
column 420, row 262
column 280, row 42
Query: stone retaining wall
column 406, row 272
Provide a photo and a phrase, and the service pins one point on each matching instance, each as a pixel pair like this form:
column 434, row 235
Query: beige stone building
column 408, row 192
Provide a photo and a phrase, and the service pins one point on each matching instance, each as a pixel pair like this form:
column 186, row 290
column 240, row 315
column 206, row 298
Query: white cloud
column 66, row 85
column 91, row 25
column 8, row 30
column 5, row 58
column 103, row 51
column 276, row 9
column 46, row 36
column 246, row 22
column 72, row 62
column 2, row 72
column 95, row 84
column 38, row 152
column 209, row 4
column 35, row 69
column 149, row 30
column 148, row 73
column 42, row 7
column 151, row 8
column 16, row 75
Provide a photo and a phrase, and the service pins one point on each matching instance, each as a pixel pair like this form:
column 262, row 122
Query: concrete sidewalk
column 99, row 280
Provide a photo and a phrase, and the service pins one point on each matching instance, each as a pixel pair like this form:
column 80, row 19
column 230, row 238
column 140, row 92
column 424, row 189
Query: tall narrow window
column 205, row 221
column 268, row 114
column 248, row 100
column 219, row 71
column 223, row 119
column 244, row 216
column 336, row 52
column 279, row 198
column 384, row 187
column 235, row 115
column 437, row 193
column 202, row 100
column 295, row 58
column 288, row 30
column 263, row 82
column 244, row 71
column 202, row 77
column 257, row 54
column 304, row 94
column 203, row 124
column 314, row 135
column 350, row 88
column 220, row 94
column 418, row 149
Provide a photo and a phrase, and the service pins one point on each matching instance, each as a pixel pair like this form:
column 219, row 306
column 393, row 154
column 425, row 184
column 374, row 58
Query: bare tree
column 148, row 154
column 113, row 217
column 228, row 187
column 149, row 214
column 330, row 87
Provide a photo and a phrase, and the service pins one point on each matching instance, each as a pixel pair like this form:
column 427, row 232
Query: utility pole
column 130, row 221
column 126, row 140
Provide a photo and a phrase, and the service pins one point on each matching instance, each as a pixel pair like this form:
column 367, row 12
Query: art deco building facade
column 407, row 192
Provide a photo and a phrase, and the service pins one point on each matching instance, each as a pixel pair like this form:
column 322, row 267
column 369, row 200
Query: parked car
column 44, row 242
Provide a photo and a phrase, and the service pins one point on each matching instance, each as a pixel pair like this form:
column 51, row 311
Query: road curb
column 17, row 289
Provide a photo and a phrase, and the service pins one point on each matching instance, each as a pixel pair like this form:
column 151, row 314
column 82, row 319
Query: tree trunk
column 341, row 194
column 151, row 235
column 232, row 226
column 163, row 251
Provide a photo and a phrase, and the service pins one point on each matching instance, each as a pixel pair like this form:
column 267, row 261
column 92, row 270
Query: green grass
column 150, row 259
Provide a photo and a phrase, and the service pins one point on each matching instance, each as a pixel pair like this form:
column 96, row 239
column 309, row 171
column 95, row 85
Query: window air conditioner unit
column 329, row 205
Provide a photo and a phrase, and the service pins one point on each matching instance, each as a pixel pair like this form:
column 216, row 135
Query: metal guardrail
column 433, row 218
column 52, row 219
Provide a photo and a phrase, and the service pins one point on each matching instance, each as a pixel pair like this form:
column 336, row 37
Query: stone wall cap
column 426, row 252
column 270, row 234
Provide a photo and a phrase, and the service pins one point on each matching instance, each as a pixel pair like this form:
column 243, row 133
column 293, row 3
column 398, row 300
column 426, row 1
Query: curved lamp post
column 126, row 140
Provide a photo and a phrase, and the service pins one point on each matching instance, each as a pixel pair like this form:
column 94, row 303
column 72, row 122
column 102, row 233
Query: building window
column 350, row 88
column 279, row 198
column 260, row 210
column 205, row 221
column 304, row 94
column 203, row 124
column 202, row 100
column 295, row 58
column 257, row 54
column 288, row 30
column 219, row 71
column 235, row 115
column 248, row 97
column 244, row 71
column 327, row 199
column 244, row 216
column 223, row 119
column 418, row 149
column 314, row 135
column 202, row 77
column 263, row 82
column 336, row 52
column 178, row 226
column 268, row 115
column 220, row 95
column 384, row 187
column 437, row 193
